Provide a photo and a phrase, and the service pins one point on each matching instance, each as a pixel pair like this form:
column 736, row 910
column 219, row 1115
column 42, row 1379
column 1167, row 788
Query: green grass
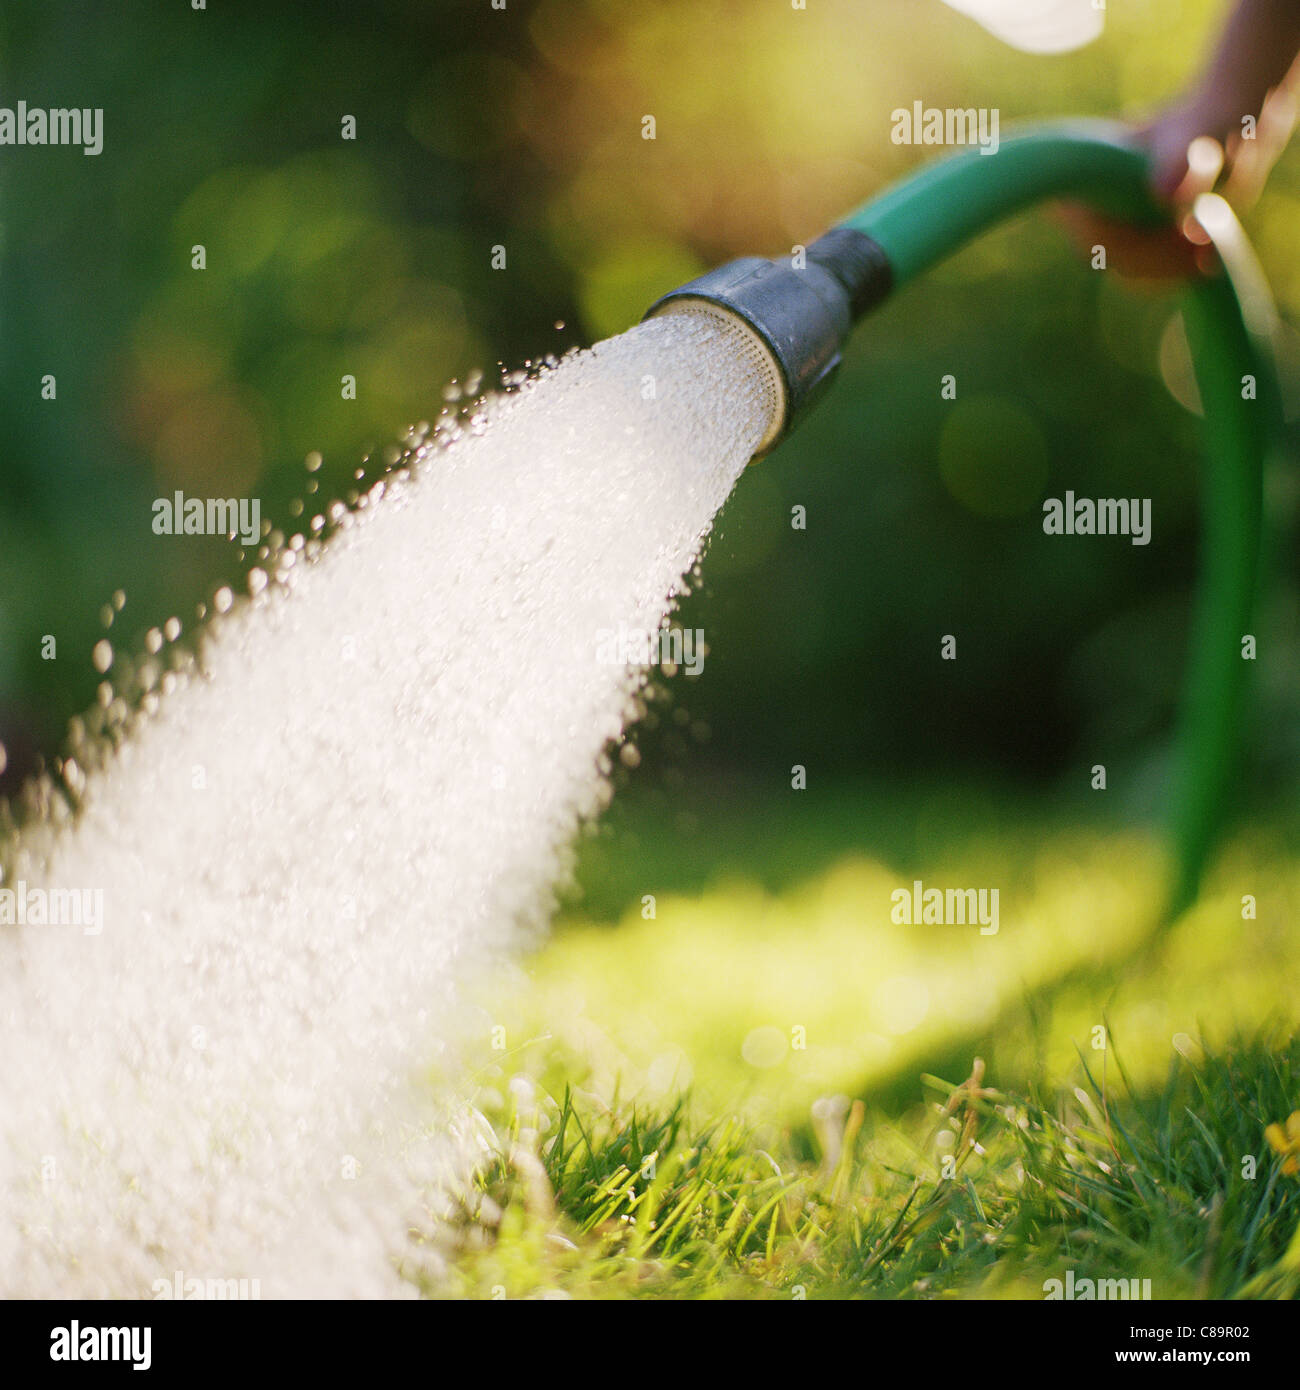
column 590, row 1201
column 769, row 1089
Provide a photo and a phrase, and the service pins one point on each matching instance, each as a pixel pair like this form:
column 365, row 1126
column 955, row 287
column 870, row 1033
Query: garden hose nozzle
column 796, row 314
column 792, row 316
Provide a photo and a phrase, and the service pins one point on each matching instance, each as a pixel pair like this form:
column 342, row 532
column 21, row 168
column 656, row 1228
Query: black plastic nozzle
column 802, row 309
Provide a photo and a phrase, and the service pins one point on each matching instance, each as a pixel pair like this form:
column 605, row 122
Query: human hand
column 1195, row 146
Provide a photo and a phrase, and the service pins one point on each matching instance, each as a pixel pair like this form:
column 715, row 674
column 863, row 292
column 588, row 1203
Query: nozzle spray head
column 794, row 314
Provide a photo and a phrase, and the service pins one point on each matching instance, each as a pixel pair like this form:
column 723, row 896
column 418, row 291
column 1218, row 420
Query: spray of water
column 363, row 785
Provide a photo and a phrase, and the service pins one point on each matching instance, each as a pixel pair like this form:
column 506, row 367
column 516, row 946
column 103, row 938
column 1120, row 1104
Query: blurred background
column 522, row 128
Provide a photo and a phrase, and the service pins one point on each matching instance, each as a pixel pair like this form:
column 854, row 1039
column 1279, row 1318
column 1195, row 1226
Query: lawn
column 772, row 1088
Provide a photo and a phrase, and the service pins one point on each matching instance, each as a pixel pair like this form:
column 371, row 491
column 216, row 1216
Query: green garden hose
column 802, row 312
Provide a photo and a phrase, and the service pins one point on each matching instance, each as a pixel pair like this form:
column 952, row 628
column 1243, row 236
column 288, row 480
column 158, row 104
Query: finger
column 1205, row 159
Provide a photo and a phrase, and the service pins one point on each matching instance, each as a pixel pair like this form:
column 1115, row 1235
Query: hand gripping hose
column 803, row 314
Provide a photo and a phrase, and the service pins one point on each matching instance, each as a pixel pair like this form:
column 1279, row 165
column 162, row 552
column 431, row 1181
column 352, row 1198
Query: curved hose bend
column 930, row 214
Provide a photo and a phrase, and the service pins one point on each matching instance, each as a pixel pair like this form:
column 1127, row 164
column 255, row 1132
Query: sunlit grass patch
column 977, row 1192
column 751, row 1085
column 764, row 1000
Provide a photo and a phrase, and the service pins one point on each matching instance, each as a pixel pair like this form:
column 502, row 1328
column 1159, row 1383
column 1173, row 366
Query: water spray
column 792, row 319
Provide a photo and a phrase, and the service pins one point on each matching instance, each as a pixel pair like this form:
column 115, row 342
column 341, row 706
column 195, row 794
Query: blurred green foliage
column 522, row 128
